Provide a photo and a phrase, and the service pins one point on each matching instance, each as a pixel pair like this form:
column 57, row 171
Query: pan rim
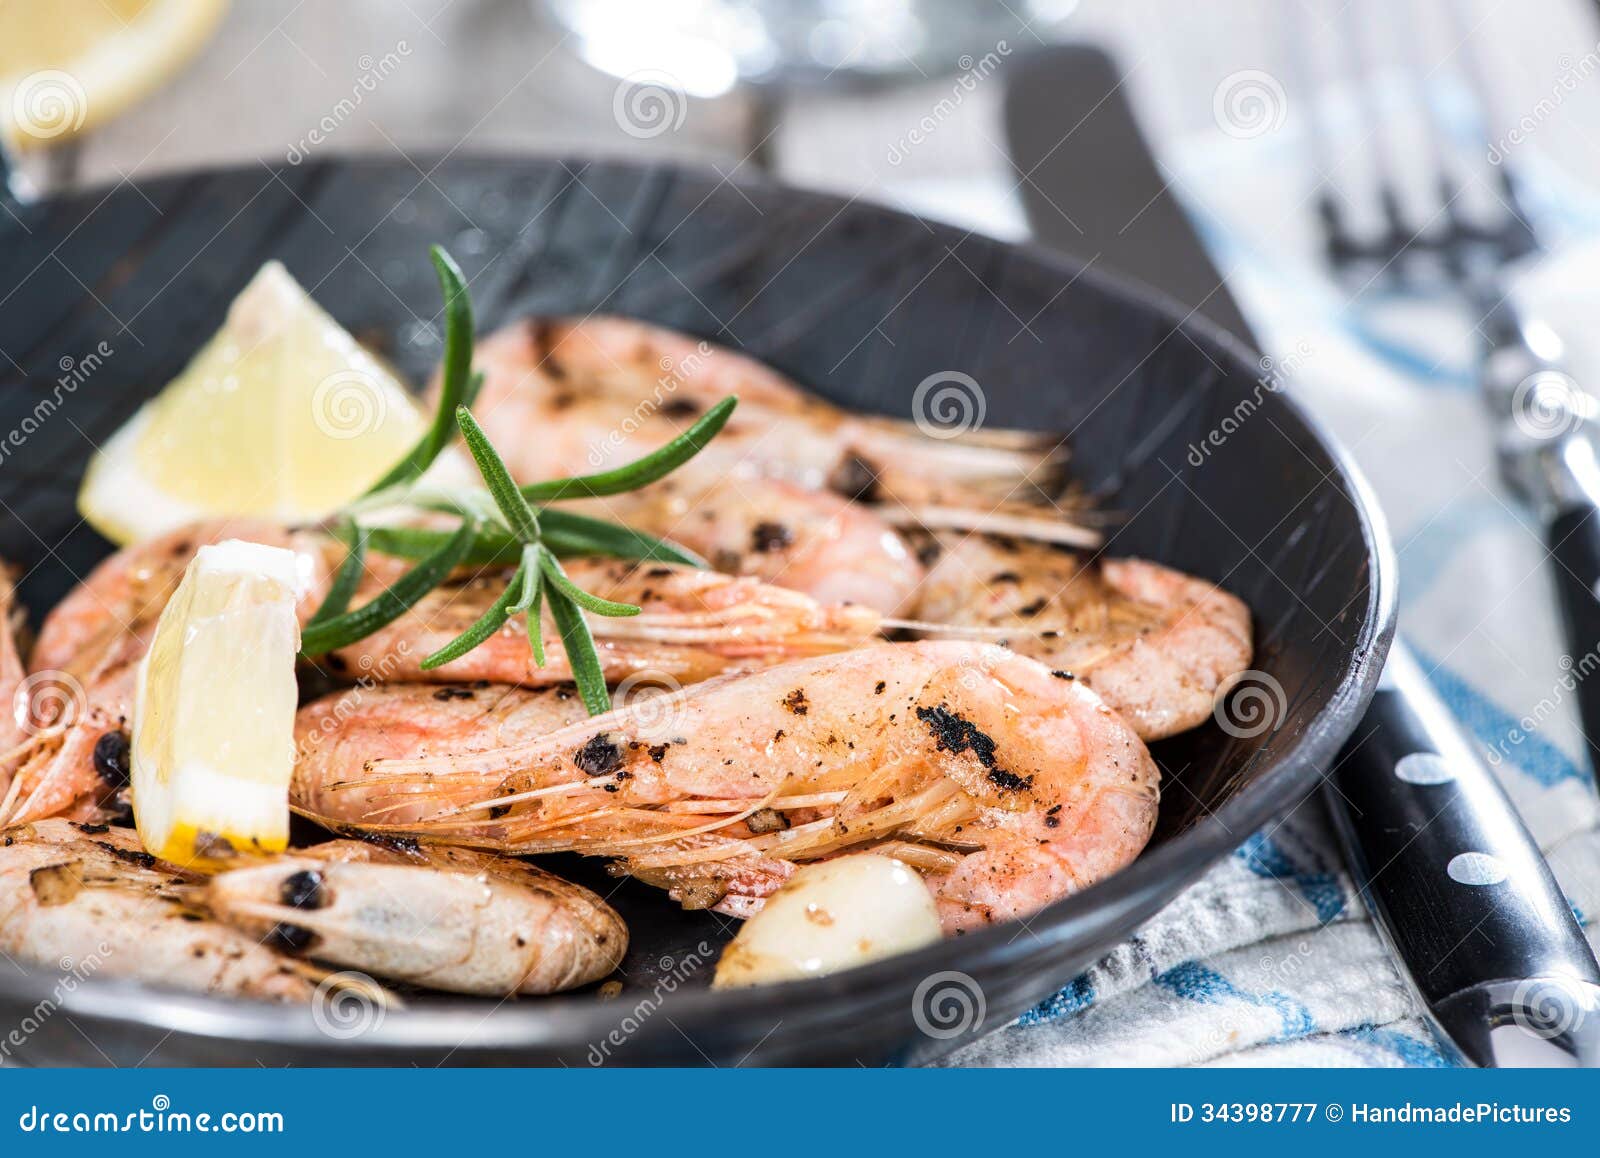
column 1103, row 912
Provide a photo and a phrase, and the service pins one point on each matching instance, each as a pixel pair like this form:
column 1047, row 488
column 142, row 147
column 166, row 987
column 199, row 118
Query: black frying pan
column 861, row 304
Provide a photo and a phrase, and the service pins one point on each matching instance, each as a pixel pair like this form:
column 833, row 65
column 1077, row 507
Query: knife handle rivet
column 1476, row 868
column 1423, row 768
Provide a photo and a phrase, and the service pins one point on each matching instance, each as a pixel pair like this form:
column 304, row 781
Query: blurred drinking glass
column 706, row 47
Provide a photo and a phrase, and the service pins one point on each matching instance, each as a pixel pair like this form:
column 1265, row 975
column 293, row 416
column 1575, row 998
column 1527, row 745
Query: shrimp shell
column 1156, row 644
column 693, row 625
column 90, row 895
column 725, row 504
column 342, row 738
column 1038, row 786
column 88, row 649
column 574, row 376
column 449, row 919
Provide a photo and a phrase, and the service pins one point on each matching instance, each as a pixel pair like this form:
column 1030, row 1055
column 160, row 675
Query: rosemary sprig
column 531, row 603
column 642, row 471
column 343, row 630
column 538, row 575
column 501, row 528
column 568, row 535
column 344, row 585
column 458, row 385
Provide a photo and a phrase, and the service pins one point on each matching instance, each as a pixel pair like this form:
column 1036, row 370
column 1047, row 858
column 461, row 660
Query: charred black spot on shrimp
column 599, row 756
column 855, row 478
column 953, row 734
column 111, row 759
column 680, row 408
column 796, row 702
column 401, row 844
column 291, row 938
column 303, row 890
column 767, row 537
column 1029, row 610
column 129, row 856
column 541, row 348
column 444, row 694
column 1063, row 675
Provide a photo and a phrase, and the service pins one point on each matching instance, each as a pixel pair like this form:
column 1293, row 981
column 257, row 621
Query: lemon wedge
column 213, row 719
column 281, row 415
column 69, row 65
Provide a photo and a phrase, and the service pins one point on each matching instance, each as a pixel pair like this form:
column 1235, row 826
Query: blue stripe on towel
column 1267, row 858
column 1196, row 982
column 1411, row 1051
column 1495, row 727
column 1425, row 553
column 1070, row 1002
column 1419, row 365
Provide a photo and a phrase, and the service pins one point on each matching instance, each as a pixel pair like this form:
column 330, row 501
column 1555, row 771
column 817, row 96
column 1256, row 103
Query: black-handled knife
column 1458, row 886
column 1090, row 184
column 1502, row 968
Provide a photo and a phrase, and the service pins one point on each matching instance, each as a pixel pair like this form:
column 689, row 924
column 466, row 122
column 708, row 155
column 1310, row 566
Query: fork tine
column 1399, row 235
column 1339, row 246
column 1457, row 231
column 1515, row 236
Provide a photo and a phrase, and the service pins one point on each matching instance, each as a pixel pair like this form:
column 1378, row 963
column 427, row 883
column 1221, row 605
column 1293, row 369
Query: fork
column 1453, row 878
column 1548, row 444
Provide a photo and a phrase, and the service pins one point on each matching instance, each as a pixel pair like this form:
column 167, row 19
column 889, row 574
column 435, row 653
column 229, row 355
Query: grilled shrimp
column 573, row 377
column 1156, row 644
column 693, row 625
column 724, row 503
column 446, row 918
column 1007, row 786
column 90, row 894
column 83, row 667
column 342, row 739
column 125, row 594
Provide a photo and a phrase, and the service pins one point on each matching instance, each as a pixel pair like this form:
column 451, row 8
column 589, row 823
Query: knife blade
column 1091, row 187
column 1434, row 844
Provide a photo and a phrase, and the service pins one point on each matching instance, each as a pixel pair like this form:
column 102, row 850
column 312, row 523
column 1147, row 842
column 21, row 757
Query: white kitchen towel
column 1270, row 959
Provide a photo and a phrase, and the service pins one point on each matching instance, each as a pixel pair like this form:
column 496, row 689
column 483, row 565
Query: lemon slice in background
column 213, row 718
column 282, row 414
column 68, row 65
